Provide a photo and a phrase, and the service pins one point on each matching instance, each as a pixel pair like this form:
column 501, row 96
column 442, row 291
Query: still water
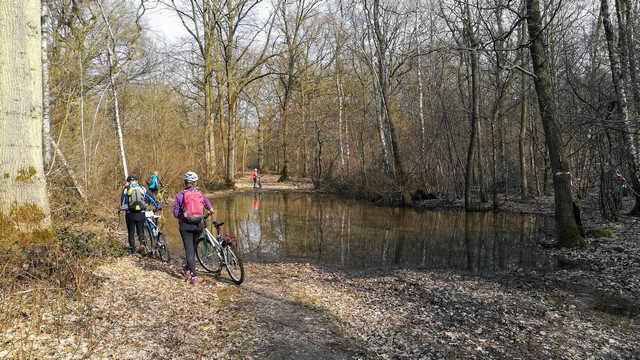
column 325, row 229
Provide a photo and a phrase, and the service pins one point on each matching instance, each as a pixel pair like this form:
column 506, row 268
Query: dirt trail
column 146, row 308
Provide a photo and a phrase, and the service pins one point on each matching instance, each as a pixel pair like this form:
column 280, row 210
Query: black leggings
column 135, row 222
column 190, row 234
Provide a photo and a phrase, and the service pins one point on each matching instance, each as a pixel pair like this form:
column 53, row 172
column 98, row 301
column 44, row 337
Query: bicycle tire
column 148, row 238
column 234, row 265
column 162, row 246
column 207, row 255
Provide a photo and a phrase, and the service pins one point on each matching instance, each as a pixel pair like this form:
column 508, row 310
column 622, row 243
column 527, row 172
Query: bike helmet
column 190, row 177
column 131, row 178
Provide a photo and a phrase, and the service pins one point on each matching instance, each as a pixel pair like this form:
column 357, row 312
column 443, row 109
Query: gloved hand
column 159, row 209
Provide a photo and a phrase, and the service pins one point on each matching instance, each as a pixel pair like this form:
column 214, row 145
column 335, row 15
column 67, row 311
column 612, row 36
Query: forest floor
column 586, row 307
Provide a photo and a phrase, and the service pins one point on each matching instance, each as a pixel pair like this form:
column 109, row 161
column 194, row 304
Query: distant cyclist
column 133, row 202
column 189, row 208
column 255, row 177
column 154, row 184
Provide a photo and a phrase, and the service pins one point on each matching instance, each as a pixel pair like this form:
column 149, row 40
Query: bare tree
column 619, row 84
column 567, row 233
column 294, row 16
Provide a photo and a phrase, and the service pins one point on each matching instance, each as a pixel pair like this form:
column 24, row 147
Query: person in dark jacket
column 134, row 213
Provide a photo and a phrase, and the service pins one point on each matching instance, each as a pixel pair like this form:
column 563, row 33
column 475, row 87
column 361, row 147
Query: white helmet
column 190, row 177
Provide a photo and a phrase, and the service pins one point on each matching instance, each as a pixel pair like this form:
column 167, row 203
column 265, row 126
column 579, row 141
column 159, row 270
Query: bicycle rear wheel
column 234, row 265
column 207, row 255
column 162, row 246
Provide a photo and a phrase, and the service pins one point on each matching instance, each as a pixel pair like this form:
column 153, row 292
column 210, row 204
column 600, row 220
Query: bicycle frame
column 151, row 219
column 213, row 239
column 158, row 242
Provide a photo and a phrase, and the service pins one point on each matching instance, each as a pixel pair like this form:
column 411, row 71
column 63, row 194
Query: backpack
column 193, row 206
column 152, row 182
column 135, row 199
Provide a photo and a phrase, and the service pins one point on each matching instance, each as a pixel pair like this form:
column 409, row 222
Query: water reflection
column 326, row 229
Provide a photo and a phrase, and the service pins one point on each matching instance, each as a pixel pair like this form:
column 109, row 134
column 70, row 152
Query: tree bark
column 567, row 232
column 24, row 204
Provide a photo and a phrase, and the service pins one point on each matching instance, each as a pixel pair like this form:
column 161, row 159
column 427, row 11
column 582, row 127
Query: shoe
column 194, row 280
column 186, row 273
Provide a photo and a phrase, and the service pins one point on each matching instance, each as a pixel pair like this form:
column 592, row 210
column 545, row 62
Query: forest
column 387, row 100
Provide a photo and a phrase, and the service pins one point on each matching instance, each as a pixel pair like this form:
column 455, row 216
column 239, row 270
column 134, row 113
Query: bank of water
column 325, row 229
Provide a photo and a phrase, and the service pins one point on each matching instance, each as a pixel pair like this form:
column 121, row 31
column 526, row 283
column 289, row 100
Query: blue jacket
column 154, row 181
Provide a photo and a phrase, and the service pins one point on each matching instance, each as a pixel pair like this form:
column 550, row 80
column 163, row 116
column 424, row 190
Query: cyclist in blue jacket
column 154, row 184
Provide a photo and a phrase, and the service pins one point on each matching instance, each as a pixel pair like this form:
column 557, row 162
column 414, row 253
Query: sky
column 166, row 25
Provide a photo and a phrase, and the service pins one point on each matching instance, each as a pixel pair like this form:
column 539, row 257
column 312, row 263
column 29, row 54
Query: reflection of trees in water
column 328, row 229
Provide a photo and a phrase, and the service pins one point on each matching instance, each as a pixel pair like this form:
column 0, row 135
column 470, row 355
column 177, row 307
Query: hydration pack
column 135, row 199
column 193, row 206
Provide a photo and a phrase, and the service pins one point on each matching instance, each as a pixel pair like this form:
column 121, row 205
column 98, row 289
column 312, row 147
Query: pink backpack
column 193, row 206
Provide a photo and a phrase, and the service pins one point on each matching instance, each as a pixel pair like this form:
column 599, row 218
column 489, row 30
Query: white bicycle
column 215, row 252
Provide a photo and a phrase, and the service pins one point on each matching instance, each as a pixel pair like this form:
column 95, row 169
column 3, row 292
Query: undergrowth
column 42, row 286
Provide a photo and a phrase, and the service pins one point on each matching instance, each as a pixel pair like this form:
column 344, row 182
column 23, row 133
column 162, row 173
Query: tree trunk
column 522, row 136
column 567, row 232
column 24, row 203
column 111, row 55
column 381, row 48
column 46, row 98
column 621, row 100
column 473, row 108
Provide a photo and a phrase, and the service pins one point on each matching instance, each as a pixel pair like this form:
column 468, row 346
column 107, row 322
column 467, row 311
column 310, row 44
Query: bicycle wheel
column 234, row 265
column 148, row 238
column 162, row 246
column 207, row 255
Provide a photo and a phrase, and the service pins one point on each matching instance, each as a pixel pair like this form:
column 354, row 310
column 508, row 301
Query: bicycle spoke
column 207, row 255
column 234, row 265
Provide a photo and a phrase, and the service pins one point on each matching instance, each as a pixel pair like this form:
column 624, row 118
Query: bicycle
column 160, row 196
column 158, row 240
column 215, row 252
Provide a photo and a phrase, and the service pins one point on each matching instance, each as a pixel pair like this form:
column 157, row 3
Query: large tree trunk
column 24, row 204
column 567, row 232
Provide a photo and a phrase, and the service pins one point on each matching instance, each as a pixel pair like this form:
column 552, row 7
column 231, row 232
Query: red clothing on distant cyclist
column 254, row 174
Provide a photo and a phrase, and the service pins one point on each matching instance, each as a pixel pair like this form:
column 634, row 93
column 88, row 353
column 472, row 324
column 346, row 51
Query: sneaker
column 194, row 280
column 186, row 273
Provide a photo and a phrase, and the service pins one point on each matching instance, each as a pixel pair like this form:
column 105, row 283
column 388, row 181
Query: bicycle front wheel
column 207, row 255
column 162, row 246
column 234, row 265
